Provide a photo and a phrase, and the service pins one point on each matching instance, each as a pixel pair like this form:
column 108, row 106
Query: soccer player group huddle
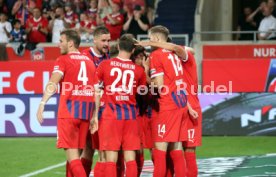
column 120, row 100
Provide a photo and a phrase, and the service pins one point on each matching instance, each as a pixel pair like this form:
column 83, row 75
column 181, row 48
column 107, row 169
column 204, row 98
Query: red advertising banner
column 24, row 77
column 239, row 51
column 241, row 75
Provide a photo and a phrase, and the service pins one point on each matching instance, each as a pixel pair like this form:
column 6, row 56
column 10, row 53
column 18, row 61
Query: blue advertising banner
column 223, row 114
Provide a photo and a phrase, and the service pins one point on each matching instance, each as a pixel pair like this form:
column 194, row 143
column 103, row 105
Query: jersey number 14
column 176, row 64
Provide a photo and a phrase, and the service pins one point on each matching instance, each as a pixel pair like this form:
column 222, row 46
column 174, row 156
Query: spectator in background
column 5, row 28
column 136, row 23
column 57, row 24
column 70, row 16
column 257, row 15
column 37, row 27
column 92, row 11
column 114, row 21
column 132, row 3
column 246, row 24
column 22, row 10
column 17, row 33
column 268, row 24
column 3, row 7
column 46, row 6
column 150, row 10
column 271, row 4
column 80, row 6
column 103, row 9
column 86, row 28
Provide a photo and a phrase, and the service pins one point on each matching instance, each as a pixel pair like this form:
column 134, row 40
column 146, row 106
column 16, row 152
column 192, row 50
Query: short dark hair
column 100, row 30
column 138, row 49
column 15, row 21
column 113, row 51
column 72, row 35
column 127, row 42
column 161, row 30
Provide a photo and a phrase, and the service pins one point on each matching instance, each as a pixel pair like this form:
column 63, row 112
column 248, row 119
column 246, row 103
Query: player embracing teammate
column 175, row 127
column 182, row 61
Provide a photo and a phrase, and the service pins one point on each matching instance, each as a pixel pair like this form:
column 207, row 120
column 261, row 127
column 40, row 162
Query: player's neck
column 124, row 55
column 73, row 50
column 96, row 51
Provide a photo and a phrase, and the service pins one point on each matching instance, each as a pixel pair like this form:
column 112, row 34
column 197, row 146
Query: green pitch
column 20, row 156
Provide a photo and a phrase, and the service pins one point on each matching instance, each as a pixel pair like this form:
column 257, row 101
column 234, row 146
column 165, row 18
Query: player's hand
column 193, row 113
column 94, row 125
column 145, row 63
column 39, row 114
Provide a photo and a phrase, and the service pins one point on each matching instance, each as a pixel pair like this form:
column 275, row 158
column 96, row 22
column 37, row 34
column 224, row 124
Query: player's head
column 113, row 50
column 69, row 40
column 159, row 33
column 102, row 38
column 138, row 55
column 127, row 43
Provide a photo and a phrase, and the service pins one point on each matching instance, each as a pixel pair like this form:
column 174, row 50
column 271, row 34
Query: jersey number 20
column 122, row 75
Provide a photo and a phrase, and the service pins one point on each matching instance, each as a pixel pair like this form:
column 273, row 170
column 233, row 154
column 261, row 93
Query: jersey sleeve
column 100, row 74
column 59, row 66
column 191, row 59
column 187, row 55
column 156, row 68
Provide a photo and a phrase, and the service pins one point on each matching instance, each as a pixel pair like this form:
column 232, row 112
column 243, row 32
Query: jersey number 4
column 82, row 76
column 176, row 64
column 122, row 75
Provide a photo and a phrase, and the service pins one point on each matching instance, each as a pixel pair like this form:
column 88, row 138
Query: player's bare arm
column 179, row 51
column 94, row 124
column 50, row 89
column 190, row 49
column 158, row 81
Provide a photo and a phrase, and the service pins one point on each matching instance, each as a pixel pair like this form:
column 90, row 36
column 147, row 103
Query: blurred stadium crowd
column 36, row 21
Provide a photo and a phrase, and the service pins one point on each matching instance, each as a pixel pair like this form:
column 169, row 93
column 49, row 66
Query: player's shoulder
column 157, row 51
column 62, row 58
column 161, row 52
column 105, row 62
column 85, row 51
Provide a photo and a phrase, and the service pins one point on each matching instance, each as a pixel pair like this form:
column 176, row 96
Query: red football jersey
column 71, row 18
column 35, row 35
column 166, row 63
column 77, row 86
column 191, row 80
column 120, row 79
column 97, row 59
column 115, row 30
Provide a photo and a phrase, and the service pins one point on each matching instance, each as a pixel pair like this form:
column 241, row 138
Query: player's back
column 121, row 78
column 77, row 85
column 191, row 80
column 167, row 63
